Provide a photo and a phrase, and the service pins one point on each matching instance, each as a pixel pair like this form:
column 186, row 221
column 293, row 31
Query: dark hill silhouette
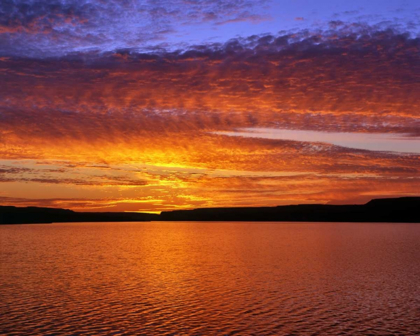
column 14, row 215
column 403, row 210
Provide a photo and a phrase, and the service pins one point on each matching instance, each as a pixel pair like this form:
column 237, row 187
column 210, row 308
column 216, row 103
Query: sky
column 159, row 105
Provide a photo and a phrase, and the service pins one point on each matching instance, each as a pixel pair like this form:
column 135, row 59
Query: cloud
column 38, row 27
column 164, row 109
column 382, row 142
column 332, row 80
column 246, row 17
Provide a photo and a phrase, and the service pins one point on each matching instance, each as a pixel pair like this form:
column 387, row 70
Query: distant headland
column 404, row 210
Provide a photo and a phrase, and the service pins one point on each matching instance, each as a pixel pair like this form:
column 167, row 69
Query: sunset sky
column 152, row 105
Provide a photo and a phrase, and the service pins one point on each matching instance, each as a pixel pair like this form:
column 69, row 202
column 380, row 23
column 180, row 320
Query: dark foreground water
column 210, row 279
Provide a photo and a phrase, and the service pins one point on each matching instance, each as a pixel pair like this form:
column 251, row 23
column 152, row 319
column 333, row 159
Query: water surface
column 191, row 278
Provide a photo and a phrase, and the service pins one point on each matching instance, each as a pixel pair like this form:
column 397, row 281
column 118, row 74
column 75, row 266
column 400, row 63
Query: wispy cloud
column 37, row 27
column 383, row 142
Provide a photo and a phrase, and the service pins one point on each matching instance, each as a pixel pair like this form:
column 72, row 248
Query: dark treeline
column 404, row 210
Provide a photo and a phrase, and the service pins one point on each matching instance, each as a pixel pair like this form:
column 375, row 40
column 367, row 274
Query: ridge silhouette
column 404, row 210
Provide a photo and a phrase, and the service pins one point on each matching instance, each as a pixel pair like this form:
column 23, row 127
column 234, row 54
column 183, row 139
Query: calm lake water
column 191, row 278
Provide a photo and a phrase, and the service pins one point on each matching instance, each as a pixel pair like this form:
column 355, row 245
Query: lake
column 220, row 278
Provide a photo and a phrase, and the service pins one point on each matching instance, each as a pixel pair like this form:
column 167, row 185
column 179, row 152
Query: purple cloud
column 37, row 27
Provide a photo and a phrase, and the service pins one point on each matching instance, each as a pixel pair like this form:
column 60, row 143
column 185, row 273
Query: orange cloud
column 151, row 119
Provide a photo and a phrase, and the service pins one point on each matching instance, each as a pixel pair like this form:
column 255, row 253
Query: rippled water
column 210, row 279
